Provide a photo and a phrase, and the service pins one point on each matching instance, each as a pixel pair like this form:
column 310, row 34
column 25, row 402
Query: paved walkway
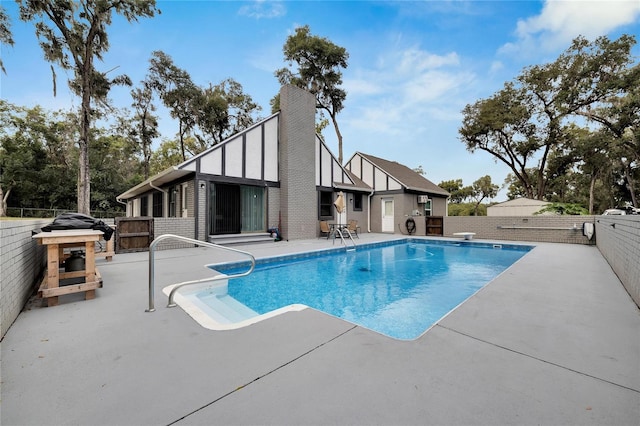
column 553, row 340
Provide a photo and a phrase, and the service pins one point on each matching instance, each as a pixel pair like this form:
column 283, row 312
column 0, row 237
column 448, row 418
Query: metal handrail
column 171, row 304
column 340, row 231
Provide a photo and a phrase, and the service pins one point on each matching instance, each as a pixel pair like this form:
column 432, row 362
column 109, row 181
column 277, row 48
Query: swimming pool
column 397, row 288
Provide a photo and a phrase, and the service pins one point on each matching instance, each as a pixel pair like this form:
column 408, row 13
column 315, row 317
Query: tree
column 5, row 33
column 224, row 109
column 526, row 119
column 563, row 209
column 481, row 189
column 620, row 116
column 146, row 122
column 73, row 35
column 167, row 155
column 319, row 71
column 458, row 192
column 35, row 158
column 178, row 93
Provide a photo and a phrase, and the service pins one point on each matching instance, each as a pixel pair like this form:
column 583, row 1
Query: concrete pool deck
column 555, row 339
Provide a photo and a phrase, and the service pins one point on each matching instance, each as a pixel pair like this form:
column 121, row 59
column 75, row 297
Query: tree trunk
column 339, row 135
column 3, row 202
column 184, row 157
column 84, row 179
column 630, row 185
column 592, row 187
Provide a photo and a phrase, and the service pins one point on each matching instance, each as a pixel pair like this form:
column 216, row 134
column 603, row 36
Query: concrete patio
column 553, row 340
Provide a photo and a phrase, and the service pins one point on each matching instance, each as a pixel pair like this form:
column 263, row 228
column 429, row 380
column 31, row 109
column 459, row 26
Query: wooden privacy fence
column 133, row 234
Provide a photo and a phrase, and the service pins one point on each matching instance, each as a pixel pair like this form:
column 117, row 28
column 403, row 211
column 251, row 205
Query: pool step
column 246, row 238
column 226, row 310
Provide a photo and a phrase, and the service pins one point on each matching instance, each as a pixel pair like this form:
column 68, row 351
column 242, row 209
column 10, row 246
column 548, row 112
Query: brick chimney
column 298, row 195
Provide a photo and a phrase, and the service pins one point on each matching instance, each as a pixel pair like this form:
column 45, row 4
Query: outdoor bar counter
column 56, row 242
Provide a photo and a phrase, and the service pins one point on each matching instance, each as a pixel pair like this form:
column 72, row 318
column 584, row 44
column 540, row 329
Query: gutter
column 159, row 189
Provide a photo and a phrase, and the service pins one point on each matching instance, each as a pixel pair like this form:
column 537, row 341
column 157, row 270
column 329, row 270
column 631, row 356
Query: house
column 276, row 174
column 399, row 193
column 517, row 207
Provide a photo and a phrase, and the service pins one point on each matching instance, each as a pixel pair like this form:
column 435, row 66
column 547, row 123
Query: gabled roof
column 408, row 178
column 358, row 184
column 168, row 175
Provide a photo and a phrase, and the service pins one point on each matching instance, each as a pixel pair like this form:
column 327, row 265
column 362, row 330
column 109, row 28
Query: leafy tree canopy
column 320, row 63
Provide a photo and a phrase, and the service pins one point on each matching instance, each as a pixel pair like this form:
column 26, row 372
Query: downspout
column 124, row 203
column 369, row 211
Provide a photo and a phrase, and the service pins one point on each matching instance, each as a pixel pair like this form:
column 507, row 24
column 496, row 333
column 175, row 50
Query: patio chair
column 353, row 227
column 325, row 229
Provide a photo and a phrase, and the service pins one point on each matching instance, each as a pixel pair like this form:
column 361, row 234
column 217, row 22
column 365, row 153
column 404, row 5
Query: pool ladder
column 171, row 303
column 341, row 233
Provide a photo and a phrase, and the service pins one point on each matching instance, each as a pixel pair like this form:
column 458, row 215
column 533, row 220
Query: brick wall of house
column 22, row 262
column 552, row 229
column 298, row 197
column 184, row 227
column 273, row 207
column 202, row 212
column 618, row 239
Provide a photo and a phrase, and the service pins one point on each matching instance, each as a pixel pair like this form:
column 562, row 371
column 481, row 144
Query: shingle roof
column 407, row 177
column 358, row 184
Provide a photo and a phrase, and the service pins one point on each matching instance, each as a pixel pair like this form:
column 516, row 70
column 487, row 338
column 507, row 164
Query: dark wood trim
column 244, row 155
column 262, row 151
column 223, row 159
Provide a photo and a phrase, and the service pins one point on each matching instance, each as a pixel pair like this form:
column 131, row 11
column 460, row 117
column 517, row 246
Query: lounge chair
column 325, row 229
column 353, row 227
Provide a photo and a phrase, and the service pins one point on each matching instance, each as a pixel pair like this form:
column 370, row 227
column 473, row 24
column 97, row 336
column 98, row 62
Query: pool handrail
column 171, row 304
column 340, row 233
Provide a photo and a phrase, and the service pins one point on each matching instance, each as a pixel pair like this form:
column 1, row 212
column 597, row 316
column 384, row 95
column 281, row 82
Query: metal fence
column 25, row 212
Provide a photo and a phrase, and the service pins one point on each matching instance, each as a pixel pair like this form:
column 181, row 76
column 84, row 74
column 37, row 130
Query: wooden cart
column 57, row 242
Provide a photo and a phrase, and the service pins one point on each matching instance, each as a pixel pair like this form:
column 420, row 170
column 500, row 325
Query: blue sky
column 413, row 66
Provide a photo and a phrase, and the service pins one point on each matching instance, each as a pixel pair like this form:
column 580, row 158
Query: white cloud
column 261, row 9
column 559, row 22
column 495, row 67
column 406, row 89
column 413, row 60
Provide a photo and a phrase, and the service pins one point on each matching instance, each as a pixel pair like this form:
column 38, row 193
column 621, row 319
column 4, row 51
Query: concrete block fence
column 184, row 227
column 618, row 239
column 22, row 263
column 549, row 229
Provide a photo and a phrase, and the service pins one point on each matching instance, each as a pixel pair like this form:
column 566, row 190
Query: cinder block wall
column 184, row 227
column 22, row 262
column 298, row 196
column 551, row 229
column 618, row 239
column 273, row 207
column 203, row 195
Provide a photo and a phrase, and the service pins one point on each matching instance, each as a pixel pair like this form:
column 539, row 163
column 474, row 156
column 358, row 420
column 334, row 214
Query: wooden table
column 56, row 242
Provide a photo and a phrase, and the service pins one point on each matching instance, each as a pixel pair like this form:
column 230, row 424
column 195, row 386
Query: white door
column 387, row 215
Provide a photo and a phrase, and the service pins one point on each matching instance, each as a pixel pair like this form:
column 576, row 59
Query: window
column 173, row 198
column 326, row 204
column 157, row 204
column 357, row 202
column 185, row 200
column 144, row 206
column 427, row 208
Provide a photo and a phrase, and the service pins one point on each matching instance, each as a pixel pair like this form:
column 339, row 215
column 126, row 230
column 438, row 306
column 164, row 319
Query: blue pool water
column 399, row 290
